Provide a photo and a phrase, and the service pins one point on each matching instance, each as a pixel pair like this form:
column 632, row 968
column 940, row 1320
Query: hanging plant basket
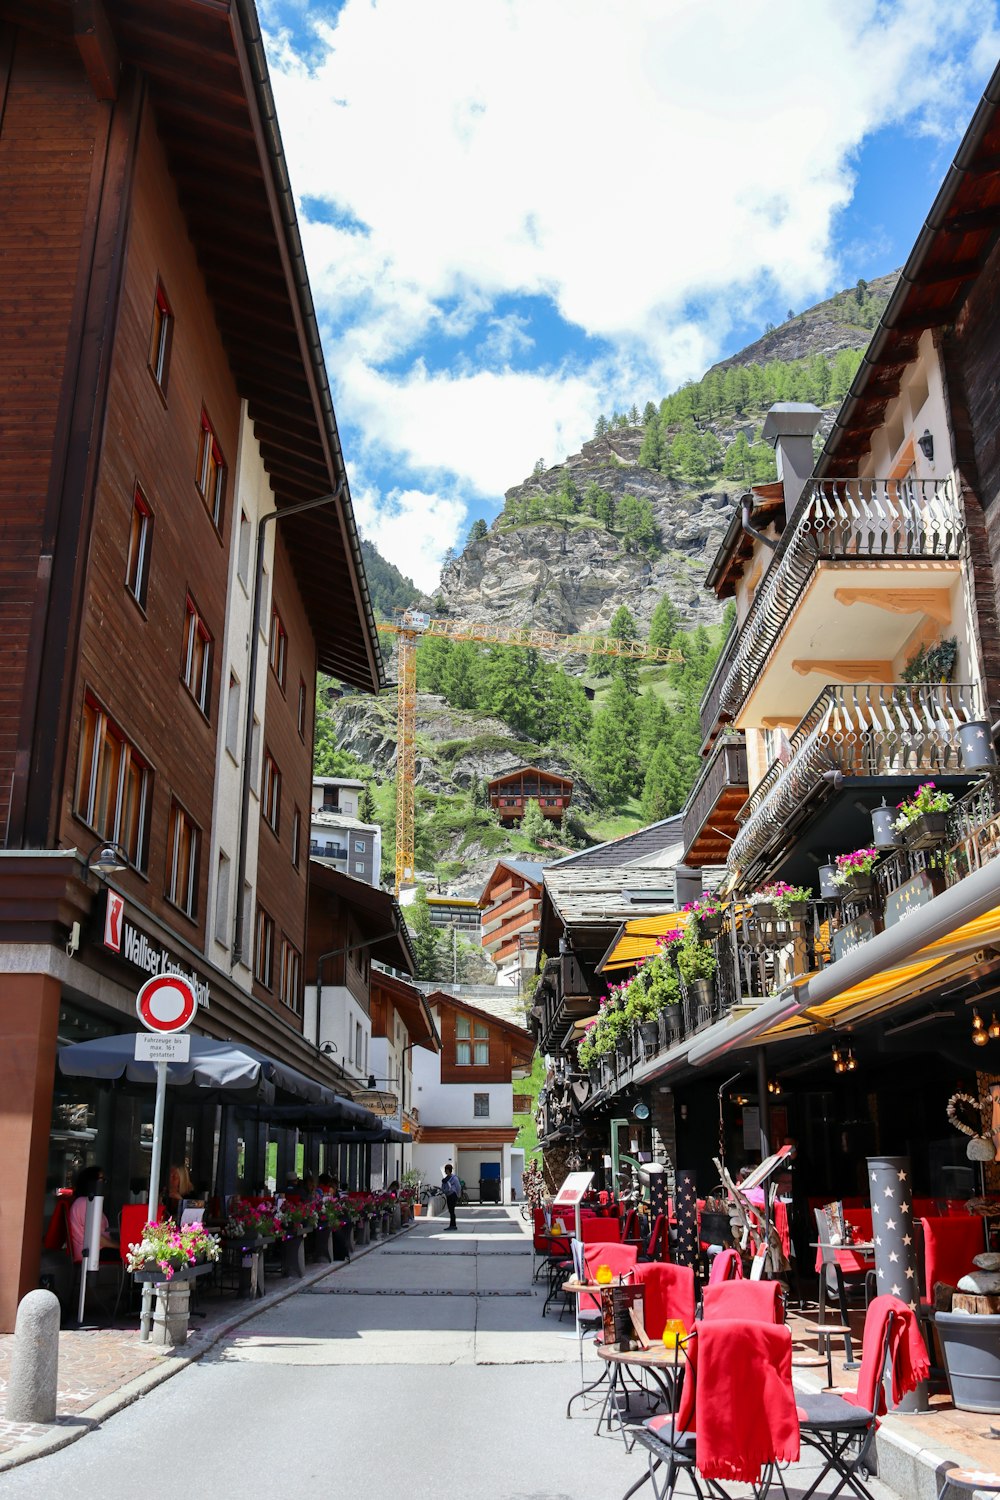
column 710, row 924
column 856, row 887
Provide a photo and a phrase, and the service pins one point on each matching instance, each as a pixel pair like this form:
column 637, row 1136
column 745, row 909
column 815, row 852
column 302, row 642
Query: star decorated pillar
column 890, row 1187
column 686, row 1207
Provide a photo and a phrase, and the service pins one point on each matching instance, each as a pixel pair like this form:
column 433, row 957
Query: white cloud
column 655, row 170
column 411, row 528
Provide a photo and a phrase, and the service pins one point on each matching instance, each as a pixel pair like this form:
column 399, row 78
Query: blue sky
column 520, row 213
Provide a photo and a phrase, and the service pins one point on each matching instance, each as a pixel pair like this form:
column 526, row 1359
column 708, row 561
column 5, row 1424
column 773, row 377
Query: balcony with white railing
column 859, row 560
column 877, row 734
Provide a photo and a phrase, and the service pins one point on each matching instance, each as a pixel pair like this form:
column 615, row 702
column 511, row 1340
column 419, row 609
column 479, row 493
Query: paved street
column 324, row 1389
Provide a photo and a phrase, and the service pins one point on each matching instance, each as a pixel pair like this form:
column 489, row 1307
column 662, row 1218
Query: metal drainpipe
column 746, row 506
column 239, row 930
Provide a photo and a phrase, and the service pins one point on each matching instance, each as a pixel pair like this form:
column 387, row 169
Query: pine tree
column 613, row 746
column 633, row 415
column 663, row 625
column 662, row 789
column 651, row 452
column 649, row 413
column 534, row 825
column 478, row 532
column 601, row 426
column 428, row 941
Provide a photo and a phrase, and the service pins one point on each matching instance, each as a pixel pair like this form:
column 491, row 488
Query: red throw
column 745, row 1413
column 754, row 1301
column 907, row 1354
column 726, row 1266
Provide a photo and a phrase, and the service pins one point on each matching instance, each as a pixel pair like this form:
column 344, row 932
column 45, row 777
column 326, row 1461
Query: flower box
column 182, row 1273
column 927, row 831
column 710, row 924
column 856, row 886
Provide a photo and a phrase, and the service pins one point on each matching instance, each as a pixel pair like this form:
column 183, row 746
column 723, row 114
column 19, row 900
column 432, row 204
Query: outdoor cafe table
column 653, row 1359
column 659, row 1361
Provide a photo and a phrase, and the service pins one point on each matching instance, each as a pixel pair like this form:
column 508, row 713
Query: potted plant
column 412, row 1181
column 923, row 818
column 697, row 964
column 854, row 872
column 706, row 913
column 296, row 1220
column 642, row 1006
column 170, row 1257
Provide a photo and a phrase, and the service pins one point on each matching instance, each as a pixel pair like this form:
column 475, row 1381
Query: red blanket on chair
column 745, row 1413
column 907, row 1354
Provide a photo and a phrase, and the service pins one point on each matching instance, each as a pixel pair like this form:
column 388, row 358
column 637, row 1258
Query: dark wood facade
column 509, row 794
column 139, row 161
column 509, row 1046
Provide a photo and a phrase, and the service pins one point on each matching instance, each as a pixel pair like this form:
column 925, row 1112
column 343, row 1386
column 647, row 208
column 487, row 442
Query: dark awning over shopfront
column 883, row 972
column 335, row 1111
column 224, row 1071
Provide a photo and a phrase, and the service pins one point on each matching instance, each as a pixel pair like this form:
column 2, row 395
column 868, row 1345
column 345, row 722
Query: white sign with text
column 153, row 1046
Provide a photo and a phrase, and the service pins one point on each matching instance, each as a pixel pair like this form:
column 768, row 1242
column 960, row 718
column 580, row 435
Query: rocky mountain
column 842, row 322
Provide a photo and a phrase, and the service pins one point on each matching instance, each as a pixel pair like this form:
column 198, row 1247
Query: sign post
column 166, row 1006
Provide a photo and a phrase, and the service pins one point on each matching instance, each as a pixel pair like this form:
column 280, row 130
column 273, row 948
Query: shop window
column 160, row 339
column 196, row 660
column 291, row 976
column 114, row 785
column 211, row 473
column 140, row 543
column 271, row 792
column 278, row 651
column 481, row 1106
column 263, row 948
column 182, row 861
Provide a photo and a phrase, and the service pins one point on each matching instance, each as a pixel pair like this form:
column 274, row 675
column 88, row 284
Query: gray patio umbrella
column 223, row 1070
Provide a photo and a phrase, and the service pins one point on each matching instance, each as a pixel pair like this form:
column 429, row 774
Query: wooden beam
column 846, row 671
column 933, row 602
column 95, row 42
column 959, row 270
column 973, row 219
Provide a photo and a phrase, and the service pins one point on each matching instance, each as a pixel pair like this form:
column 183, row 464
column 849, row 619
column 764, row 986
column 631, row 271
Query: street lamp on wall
column 111, row 858
column 926, row 445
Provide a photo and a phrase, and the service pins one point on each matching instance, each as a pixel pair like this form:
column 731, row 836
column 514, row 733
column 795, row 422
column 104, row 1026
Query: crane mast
column 410, row 625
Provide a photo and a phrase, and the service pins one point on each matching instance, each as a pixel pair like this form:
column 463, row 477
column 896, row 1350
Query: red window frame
column 140, row 545
column 210, row 476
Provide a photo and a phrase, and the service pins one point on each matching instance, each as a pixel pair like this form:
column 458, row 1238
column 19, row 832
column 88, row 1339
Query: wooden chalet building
column 166, row 408
column 510, row 793
column 510, row 904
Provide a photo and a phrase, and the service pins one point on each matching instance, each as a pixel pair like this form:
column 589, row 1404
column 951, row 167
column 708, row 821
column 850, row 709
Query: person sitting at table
column 328, row 1186
column 179, row 1187
column 90, row 1182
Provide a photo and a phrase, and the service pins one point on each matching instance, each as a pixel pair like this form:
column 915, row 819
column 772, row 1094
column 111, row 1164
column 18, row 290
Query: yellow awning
column 893, row 985
column 637, row 939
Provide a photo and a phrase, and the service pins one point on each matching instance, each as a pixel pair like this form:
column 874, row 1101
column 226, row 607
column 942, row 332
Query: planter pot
column 701, row 992
column 715, row 1229
column 595, row 1076
column 975, row 742
column 650, row 1033
column 624, row 1053
column 171, row 1311
column 386, row 1225
column 828, row 888
column 396, row 1220
column 764, row 911
column 970, row 1343
column 418, row 1208
column 856, row 888
column 293, row 1256
column 795, row 911
column 340, row 1243
column 927, row 832
column 710, row 926
column 323, row 1242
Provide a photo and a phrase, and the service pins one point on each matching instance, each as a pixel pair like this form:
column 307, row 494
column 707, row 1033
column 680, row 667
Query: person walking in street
column 452, row 1189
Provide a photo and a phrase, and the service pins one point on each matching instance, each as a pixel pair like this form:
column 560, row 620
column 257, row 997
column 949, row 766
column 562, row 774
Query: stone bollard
column 31, row 1395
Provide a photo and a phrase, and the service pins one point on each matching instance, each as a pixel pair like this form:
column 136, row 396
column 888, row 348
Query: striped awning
column 637, row 939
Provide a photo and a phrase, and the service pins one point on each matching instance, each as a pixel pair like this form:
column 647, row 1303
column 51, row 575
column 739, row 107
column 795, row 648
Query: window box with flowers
column 853, row 875
column 789, row 902
column 922, row 819
column 697, row 964
column 706, row 912
column 171, row 1258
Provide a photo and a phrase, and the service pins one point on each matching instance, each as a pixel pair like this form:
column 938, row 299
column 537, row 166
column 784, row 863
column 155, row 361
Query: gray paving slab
column 359, row 1330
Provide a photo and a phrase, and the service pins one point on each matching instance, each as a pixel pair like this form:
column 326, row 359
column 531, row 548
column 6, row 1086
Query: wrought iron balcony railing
column 861, row 729
column 709, row 709
column 724, row 771
column 840, row 520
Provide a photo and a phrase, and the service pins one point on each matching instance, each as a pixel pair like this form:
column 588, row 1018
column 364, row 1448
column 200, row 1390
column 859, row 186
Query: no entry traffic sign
column 167, row 1002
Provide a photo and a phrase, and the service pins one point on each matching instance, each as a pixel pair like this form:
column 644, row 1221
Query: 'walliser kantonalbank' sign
column 135, row 947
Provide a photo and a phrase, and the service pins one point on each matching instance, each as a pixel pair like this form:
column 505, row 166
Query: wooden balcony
column 709, row 815
column 902, row 539
column 882, row 732
column 710, row 712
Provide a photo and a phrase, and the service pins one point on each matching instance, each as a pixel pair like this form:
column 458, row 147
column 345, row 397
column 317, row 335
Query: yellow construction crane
column 408, row 627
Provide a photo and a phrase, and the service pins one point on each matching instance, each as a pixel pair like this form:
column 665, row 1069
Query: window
column 271, row 799
column 291, row 972
column 481, row 1106
column 359, row 867
column 160, row 339
column 463, row 1044
column 279, row 648
column 182, row 860
column 358, row 1052
column 481, row 1044
column 140, row 543
column 196, row 659
column 211, row 475
column 302, row 709
column 263, row 948
column 233, row 717
column 359, row 846
column 296, row 837
column 222, row 900
column 114, row 784
column 243, row 555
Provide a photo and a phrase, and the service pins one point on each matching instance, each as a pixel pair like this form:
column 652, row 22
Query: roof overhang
column 378, row 914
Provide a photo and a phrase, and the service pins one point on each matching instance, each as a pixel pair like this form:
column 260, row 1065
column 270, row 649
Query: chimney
column 789, row 428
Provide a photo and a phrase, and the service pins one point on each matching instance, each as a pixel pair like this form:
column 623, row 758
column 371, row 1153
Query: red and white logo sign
column 113, row 914
column 166, row 1002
